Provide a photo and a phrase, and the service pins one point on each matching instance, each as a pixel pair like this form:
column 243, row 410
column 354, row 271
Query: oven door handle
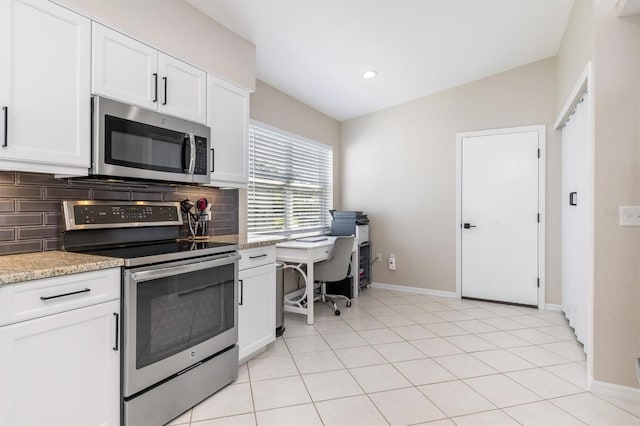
column 183, row 269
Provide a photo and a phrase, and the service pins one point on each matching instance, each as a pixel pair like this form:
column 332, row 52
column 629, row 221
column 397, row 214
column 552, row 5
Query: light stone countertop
column 15, row 268
column 250, row 241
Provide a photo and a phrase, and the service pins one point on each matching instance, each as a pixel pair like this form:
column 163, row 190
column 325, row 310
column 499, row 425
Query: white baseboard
column 617, row 391
column 552, row 307
column 416, row 290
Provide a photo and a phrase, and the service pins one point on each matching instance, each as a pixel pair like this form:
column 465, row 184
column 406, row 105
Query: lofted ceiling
column 316, row 50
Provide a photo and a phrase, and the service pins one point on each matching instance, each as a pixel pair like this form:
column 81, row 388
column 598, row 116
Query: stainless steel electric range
column 179, row 311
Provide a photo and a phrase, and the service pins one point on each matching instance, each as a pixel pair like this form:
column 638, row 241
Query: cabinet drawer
column 257, row 257
column 38, row 298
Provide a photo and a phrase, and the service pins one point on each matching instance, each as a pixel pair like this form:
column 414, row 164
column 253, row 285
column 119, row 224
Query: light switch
column 629, row 215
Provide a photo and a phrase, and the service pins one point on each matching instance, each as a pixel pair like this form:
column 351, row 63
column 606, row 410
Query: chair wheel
column 348, row 303
column 337, row 312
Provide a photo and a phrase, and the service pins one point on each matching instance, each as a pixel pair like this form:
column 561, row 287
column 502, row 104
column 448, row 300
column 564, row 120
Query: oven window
column 133, row 144
column 178, row 312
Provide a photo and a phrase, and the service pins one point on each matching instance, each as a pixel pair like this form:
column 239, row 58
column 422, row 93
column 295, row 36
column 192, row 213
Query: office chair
column 335, row 268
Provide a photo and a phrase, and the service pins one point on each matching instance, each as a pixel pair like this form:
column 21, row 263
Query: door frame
column 541, row 130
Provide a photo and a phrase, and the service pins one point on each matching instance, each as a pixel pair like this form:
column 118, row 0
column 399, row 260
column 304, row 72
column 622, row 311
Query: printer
column 350, row 223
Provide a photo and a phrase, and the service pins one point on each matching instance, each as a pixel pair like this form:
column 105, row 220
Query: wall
column 277, row 109
column 596, row 33
column 399, row 165
column 180, row 30
column 617, row 183
column 576, row 49
column 30, row 207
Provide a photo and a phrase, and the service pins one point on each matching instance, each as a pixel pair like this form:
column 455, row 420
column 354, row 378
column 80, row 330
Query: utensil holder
column 204, row 224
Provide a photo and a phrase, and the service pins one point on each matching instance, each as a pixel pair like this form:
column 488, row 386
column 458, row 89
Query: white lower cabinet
column 256, row 302
column 62, row 368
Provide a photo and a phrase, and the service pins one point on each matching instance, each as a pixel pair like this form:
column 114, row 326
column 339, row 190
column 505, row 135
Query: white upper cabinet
column 44, row 88
column 124, row 68
column 228, row 117
column 130, row 71
column 183, row 89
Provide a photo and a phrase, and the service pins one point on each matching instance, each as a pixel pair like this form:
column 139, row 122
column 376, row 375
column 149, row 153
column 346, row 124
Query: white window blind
column 290, row 181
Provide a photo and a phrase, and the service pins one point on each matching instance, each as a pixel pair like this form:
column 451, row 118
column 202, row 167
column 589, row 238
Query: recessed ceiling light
column 369, row 74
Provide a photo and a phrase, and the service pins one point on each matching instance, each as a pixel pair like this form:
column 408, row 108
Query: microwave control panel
column 201, row 156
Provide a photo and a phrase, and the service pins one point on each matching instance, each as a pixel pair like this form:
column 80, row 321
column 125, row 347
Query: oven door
column 175, row 316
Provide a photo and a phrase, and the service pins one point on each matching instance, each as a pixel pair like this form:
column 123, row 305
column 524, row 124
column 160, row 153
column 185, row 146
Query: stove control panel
column 104, row 214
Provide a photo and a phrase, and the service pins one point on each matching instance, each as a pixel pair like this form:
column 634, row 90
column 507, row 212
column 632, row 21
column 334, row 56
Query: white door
column 576, row 189
column 62, row 369
column 124, row 69
column 48, row 67
column 182, row 89
column 256, row 309
column 228, row 111
column 499, row 212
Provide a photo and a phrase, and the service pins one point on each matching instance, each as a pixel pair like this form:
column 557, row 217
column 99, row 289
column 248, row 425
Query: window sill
column 292, row 235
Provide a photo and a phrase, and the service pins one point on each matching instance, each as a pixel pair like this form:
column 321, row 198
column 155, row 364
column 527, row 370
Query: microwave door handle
column 192, row 153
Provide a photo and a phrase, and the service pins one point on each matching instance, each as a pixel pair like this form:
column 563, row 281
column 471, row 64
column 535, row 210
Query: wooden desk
column 303, row 253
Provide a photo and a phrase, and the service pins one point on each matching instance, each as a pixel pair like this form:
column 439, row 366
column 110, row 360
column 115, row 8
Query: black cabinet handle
column 468, row 226
column 115, row 348
column 213, row 160
column 6, row 126
column 241, row 292
column 573, row 198
column 165, row 90
column 258, row 256
column 86, row 290
column 155, row 85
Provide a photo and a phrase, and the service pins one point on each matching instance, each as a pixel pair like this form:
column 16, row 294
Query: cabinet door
column 123, row 68
column 48, row 70
column 257, row 309
column 228, row 111
column 5, row 69
column 62, row 369
column 183, row 89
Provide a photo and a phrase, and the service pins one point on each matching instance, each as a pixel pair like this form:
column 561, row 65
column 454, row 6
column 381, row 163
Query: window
column 290, row 181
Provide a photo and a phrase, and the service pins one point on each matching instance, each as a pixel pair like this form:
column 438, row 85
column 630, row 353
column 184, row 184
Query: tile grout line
column 313, row 403
column 348, row 370
column 350, row 374
column 253, row 402
column 434, row 359
column 498, row 372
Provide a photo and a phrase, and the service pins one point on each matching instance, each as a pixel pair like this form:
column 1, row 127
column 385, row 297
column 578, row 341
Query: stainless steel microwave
column 132, row 142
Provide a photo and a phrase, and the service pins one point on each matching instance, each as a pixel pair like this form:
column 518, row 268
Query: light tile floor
column 405, row 359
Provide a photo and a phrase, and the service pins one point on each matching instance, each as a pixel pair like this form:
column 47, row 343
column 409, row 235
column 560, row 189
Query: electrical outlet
column 378, row 257
column 629, row 215
column 392, row 262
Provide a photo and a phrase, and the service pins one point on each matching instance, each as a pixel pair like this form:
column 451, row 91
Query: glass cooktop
column 160, row 251
column 139, row 232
